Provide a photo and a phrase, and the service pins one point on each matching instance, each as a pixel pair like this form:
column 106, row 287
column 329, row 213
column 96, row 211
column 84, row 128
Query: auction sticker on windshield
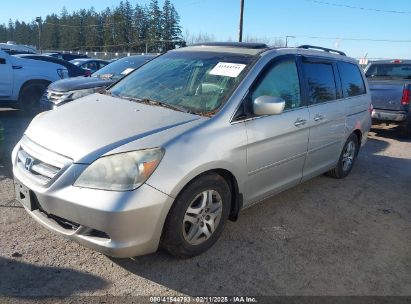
column 227, row 69
column 127, row 71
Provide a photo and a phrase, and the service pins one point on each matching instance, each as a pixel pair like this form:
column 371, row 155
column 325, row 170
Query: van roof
column 248, row 48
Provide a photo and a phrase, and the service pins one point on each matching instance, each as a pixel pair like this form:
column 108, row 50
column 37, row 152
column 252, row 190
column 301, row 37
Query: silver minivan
column 169, row 153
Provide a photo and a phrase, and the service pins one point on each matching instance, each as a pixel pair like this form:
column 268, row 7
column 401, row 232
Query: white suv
column 23, row 81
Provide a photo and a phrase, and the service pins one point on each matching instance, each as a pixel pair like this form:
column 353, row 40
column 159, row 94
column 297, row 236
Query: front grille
column 38, row 163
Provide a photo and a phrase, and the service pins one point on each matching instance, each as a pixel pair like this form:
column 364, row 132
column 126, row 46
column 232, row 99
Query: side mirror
column 2, row 61
column 268, row 105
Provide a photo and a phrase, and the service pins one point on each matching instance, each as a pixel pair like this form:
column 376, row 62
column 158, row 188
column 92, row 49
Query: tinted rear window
column 320, row 81
column 351, row 79
column 389, row 70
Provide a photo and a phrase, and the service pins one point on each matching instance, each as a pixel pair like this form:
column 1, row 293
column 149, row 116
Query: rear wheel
column 29, row 98
column 347, row 158
column 197, row 217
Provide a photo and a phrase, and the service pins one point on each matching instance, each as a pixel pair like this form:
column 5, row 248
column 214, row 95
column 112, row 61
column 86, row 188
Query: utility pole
column 38, row 20
column 240, row 32
column 286, row 40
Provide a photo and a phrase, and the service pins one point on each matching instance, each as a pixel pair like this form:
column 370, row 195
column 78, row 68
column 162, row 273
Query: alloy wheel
column 202, row 217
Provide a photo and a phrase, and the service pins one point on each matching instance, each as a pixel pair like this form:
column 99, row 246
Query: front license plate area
column 23, row 194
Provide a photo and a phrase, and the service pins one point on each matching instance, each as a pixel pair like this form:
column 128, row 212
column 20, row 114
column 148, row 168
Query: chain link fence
column 101, row 55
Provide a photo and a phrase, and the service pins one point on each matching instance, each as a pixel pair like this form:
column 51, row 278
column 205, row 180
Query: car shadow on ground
column 324, row 236
column 19, row 279
column 14, row 125
column 391, row 132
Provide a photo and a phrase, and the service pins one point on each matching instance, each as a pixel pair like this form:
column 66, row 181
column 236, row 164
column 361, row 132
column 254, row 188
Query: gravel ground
column 324, row 237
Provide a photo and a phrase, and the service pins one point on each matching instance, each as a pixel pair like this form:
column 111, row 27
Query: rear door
column 277, row 144
column 327, row 115
column 6, row 75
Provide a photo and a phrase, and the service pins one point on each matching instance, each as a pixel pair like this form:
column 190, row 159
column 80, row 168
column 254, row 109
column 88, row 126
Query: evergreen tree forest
column 126, row 27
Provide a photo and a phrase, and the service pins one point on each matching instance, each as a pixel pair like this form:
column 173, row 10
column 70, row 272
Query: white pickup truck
column 23, row 81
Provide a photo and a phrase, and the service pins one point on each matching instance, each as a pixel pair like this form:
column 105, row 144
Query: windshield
column 197, row 81
column 393, row 70
column 121, row 67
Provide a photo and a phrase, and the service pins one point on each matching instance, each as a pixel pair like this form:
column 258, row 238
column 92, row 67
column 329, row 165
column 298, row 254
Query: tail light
column 405, row 100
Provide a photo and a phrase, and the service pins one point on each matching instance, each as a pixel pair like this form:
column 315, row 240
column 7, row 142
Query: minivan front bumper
column 118, row 224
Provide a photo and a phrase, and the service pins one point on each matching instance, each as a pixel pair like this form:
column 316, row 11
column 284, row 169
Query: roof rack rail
column 306, row 46
column 248, row 45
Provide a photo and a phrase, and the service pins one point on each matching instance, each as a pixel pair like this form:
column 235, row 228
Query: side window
column 320, row 82
column 281, row 81
column 91, row 65
column 102, row 64
column 351, row 79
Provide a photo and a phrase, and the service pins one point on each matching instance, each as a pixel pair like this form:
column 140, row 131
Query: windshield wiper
column 157, row 103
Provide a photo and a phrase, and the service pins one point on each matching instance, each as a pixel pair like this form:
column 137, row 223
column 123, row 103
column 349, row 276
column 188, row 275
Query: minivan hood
column 79, row 83
column 96, row 124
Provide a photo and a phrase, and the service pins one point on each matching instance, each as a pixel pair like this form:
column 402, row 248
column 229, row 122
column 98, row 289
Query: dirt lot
column 324, row 237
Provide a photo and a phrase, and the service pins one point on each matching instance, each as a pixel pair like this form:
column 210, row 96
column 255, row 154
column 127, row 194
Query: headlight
column 72, row 95
column 121, row 172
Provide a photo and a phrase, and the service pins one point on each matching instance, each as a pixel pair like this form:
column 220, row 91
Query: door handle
column 318, row 117
column 300, row 122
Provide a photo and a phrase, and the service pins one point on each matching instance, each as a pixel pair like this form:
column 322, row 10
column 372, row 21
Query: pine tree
column 154, row 31
column 171, row 30
column 118, row 29
column 10, row 31
column 108, row 31
column 140, row 28
column 3, row 33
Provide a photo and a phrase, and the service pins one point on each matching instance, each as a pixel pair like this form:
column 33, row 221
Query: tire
column 187, row 234
column 406, row 128
column 29, row 98
column 347, row 158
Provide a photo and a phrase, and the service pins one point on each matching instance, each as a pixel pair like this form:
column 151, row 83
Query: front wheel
column 29, row 99
column 347, row 158
column 197, row 218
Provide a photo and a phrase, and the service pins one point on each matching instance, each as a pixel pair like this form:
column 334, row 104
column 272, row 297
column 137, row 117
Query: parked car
column 73, row 70
column 390, row 85
column 23, row 81
column 66, row 90
column 66, row 56
column 171, row 152
column 13, row 48
column 93, row 65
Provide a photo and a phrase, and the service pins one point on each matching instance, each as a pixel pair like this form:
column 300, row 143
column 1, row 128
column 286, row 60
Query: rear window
column 321, row 82
column 389, row 70
column 351, row 79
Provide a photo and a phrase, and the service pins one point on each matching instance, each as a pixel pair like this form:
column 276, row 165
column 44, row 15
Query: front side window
column 351, row 79
column 197, row 81
column 320, row 82
column 281, row 81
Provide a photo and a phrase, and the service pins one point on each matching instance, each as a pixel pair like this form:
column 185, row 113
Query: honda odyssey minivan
column 168, row 154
